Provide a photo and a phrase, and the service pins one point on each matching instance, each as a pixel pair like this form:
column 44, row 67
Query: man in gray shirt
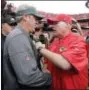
column 20, row 64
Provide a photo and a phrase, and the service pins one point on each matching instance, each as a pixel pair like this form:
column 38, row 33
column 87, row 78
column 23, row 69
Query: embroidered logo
column 27, row 58
column 61, row 49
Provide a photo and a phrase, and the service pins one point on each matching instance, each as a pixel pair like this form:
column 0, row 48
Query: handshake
column 39, row 45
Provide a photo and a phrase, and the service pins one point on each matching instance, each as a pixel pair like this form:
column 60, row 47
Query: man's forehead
column 5, row 24
column 62, row 23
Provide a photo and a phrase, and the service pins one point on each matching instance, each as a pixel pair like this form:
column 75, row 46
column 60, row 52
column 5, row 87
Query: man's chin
column 55, row 35
column 30, row 31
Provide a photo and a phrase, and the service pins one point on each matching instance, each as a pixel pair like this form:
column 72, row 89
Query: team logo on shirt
column 61, row 49
column 27, row 58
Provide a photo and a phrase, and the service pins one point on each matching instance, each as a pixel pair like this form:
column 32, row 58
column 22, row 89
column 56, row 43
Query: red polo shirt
column 72, row 48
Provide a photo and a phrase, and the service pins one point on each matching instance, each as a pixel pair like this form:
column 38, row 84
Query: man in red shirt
column 67, row 57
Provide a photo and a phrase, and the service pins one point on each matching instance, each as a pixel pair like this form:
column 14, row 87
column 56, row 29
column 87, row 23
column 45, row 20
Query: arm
column 79, row 28
column 24, row 64
column 57, row 59
column 74, row 57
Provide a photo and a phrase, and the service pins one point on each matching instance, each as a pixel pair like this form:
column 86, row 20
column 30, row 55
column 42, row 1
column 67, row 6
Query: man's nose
column 36, row 24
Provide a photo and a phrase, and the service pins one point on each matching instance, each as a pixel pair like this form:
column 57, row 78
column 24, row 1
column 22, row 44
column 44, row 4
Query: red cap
column 61, row 17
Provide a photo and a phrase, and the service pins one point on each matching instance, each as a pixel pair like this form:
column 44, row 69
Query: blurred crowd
column 25, row 34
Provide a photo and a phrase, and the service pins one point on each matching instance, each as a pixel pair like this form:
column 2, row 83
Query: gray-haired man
column 20, row 55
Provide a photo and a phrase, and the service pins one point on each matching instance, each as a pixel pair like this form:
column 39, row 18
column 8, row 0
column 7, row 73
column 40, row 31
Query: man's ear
column 26, row 17
column 69, row 26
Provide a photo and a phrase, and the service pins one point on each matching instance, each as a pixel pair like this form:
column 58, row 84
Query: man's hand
column 39, row 44
column 46, row 70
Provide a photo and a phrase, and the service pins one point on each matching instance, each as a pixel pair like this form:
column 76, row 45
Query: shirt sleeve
column 24, row 64
column 76, row 54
